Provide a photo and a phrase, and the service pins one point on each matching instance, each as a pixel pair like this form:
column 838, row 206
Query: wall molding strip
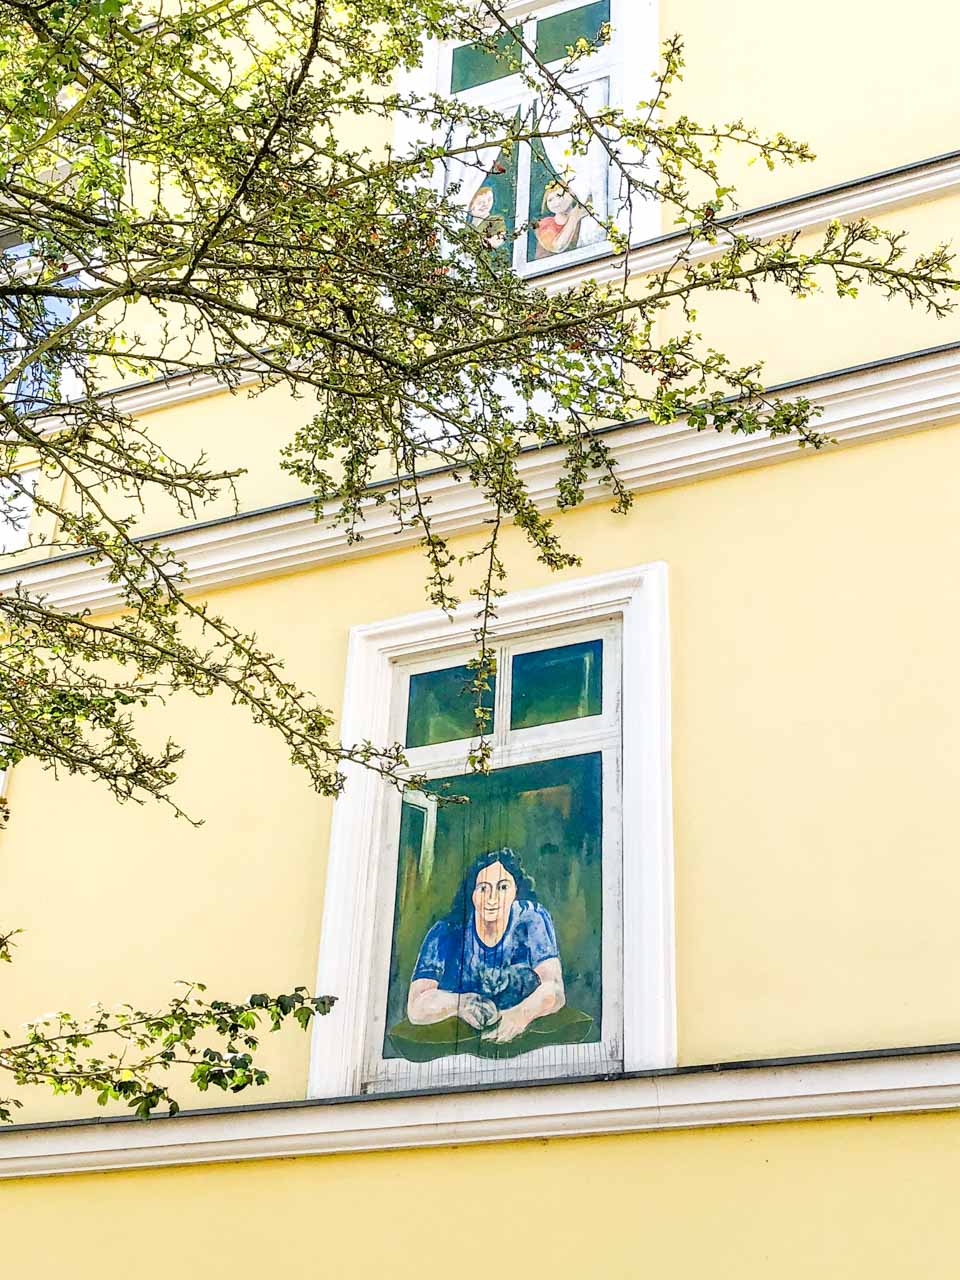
column 866, row 197
column 873, row 402
column 864, row 1086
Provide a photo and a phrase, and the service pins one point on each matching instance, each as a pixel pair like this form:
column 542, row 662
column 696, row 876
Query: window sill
column 888, row 1082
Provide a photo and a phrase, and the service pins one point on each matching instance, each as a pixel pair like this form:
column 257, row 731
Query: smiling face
column 494, row 893
column 481, row 206
column 558, row 200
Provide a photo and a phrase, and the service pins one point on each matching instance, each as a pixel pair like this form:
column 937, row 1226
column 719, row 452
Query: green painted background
column 557, row 34
column 485, row 61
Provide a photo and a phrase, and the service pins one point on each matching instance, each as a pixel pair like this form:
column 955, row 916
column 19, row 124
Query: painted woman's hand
column 477, row 1011
column 513, row 1022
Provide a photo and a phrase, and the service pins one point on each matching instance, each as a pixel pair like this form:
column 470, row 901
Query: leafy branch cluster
column 179, row 195
column 127, row 1054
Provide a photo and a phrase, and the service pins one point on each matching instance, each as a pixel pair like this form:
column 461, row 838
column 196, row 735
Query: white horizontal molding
column 867, row 198
column 144, row 397
column 870, row 403
column 810, row 1091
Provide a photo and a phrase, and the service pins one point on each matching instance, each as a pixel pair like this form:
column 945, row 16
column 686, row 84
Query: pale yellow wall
column 869, row 87
column 816, row 697
column 844, row 1200
column 237, row 432
column 802, row 338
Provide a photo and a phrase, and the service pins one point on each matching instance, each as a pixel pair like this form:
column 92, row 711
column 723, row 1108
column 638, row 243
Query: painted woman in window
column 492, row 963
column 560, row 230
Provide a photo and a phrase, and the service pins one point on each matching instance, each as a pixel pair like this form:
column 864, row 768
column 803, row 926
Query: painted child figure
column 559, row 231
column 491, row 226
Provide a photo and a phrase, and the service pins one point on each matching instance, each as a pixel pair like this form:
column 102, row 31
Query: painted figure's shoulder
column 532, row 912
column 437, row 944
column 536, row 927
column 441, row 929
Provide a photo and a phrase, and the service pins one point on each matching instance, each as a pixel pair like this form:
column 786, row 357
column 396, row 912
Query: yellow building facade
column 780, row 1095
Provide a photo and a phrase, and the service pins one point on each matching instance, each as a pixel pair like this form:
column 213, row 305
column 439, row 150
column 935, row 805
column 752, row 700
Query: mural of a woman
column 493, row 959
column 498, row 915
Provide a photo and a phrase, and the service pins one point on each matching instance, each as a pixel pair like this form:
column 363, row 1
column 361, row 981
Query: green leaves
column 204, row 192
column 7, row 945
column 127, row 1054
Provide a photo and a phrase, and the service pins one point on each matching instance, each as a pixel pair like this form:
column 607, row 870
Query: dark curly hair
column 462, row 904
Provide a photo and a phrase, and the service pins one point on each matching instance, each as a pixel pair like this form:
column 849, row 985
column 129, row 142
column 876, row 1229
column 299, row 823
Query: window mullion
column 522, row 198
column 501, row 725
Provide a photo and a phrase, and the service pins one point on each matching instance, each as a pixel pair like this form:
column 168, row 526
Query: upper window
column 513, row 924
column 16, row 503
column 46, row 381
column 538, row 203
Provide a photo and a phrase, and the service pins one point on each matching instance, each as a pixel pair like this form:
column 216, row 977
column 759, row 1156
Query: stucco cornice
column 867, row 197
column 693, row 1098
column 868, row 403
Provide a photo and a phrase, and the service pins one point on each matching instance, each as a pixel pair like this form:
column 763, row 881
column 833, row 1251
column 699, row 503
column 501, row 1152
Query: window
column 514, row 925
column 47, row 381
column 474, row 942
column 536, row 203
column 16, row 510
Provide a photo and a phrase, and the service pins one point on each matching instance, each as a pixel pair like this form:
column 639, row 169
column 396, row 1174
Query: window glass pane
column 442, row 706
column 475, row 64
column 484, row 946
column 17, row 508
column 26, row 327
column 557, row 684
column 558, row 34
column 564, row 188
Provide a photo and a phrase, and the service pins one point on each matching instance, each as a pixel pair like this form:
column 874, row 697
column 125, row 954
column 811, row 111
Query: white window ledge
column 686, row 1099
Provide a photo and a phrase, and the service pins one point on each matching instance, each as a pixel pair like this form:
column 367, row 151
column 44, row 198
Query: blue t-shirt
column 454, row 957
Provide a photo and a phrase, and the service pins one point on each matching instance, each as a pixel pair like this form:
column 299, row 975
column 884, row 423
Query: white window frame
column 71, row 385
column 599, row 734
column 358, row 886
column 634, row 47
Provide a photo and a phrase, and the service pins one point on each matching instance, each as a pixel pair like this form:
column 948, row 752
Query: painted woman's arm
column 548, row 997
column 426, row 1003
column 570, row 229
